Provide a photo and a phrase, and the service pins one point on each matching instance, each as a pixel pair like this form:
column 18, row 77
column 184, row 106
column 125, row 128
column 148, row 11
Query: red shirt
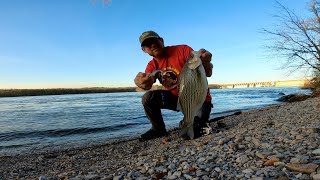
column 171, row 67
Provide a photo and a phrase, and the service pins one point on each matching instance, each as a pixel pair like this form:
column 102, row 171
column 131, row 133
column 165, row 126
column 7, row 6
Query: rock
column 316, row 152
column 279, row 164
column 165, row 140
column 299, row 137
column 271, row 162
column 305, row 168
column 159, row 175
column 220, row 142
column 282, row 178
column 316, row 162
column 316, row 177
column 43, row 178
column 201, row 173
column 242, row 159
column 293, row 98
column 248, row 171
column 265, row 154
column 187, row 176
column 201, row 159
column 91, row 177
column 217, row 169
column 298, row 160
column 192, row 169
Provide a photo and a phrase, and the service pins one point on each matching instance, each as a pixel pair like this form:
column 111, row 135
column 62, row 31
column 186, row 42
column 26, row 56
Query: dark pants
column 154, row 101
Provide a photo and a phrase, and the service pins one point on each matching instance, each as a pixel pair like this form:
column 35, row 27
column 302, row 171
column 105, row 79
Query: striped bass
column 193, row 87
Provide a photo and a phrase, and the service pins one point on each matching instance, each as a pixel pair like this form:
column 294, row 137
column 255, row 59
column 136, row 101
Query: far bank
column 88, row 90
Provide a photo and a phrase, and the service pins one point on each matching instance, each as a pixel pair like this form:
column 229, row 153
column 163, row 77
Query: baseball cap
column 147, row 35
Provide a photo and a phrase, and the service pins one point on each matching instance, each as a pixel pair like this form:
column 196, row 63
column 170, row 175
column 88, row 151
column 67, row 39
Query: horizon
column 92, row 44
column 134, row 86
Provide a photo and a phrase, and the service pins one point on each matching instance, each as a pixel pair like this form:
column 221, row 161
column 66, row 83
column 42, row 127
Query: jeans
column 154, row 101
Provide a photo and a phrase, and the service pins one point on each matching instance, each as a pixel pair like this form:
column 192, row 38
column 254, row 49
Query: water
column 40, row 123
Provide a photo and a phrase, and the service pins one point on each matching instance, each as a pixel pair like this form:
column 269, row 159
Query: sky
column 87, row 43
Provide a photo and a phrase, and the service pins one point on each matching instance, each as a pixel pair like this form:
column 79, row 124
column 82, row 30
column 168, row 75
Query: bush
column 315, row 87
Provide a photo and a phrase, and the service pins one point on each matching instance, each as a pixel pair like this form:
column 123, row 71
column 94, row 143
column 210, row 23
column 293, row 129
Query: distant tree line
column 61, row 91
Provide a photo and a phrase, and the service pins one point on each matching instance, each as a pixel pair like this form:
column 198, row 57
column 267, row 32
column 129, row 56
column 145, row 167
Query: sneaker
column 199, row 127
column 152, row 134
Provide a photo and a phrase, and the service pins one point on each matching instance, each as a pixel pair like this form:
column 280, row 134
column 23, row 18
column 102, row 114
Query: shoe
column 200, row 127
column 152, row 134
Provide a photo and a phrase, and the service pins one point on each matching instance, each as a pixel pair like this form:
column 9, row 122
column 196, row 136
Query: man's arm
column 206, row 57
column 143, row 81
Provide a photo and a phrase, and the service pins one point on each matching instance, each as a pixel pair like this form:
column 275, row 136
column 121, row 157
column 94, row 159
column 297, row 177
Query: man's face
column 154, row 47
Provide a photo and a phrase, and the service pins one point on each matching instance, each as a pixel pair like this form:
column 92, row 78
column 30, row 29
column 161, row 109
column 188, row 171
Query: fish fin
column 191, row 132
column 178, row 106
column 181, row 88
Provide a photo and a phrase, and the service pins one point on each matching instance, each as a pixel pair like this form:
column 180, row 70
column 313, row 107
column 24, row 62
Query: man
column 170, row 60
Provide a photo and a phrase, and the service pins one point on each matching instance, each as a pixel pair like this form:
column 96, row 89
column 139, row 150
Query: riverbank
column 61, row 91
column 287, row 134
column 65, row 91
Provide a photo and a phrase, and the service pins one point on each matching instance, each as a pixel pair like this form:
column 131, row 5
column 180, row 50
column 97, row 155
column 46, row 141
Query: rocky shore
column 277, row 142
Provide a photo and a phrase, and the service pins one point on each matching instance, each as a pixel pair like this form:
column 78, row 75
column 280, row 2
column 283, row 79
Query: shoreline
column 96, row 90
column 288, row 134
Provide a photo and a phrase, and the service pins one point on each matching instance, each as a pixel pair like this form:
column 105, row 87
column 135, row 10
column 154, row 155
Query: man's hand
column 206, row 57
column 143, row 81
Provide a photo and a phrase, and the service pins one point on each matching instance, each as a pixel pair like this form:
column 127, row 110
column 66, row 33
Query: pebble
column 43, row 178
column 316, row 177
column 316, row 152
column 305, row 168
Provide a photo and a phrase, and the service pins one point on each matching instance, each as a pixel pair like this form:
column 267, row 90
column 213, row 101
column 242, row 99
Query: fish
column 192, row 88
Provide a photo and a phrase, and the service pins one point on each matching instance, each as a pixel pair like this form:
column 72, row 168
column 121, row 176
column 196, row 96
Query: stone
column 281, row 178
column 220, row 142
column 299, row 137
column 91, row 177
column 305, row 168
column 43, row 178
column 316, row 177
column 165, row 140
column 177, row 173
column 271, row 162
column 293, row 97
column 264, row 155
column 316, row 152
column 217, row 169
column 247, row 171
column 280, row 156
column 281, row 164
column 201, row 159
column 298, row 160
column 187, row 176
column 316, row 161
column 192, row 169
column 201, row 173
column 242, row 159
column 159, row 175
column 257, row 178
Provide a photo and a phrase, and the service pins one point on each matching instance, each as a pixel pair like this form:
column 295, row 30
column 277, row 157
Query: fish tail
column 187, row 132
